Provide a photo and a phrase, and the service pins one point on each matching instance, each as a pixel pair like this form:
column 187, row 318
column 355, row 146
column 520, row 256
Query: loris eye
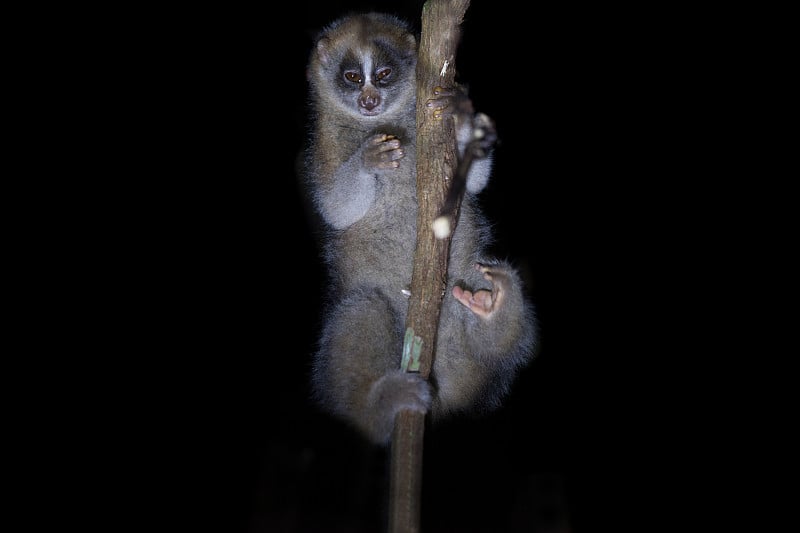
column 383, row 73
column 353, row 76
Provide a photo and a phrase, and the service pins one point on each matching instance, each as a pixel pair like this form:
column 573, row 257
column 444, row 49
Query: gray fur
column 363, row 184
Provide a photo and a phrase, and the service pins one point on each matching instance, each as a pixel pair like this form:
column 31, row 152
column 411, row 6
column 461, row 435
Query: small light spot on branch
column 444, row 67
column 441, row 227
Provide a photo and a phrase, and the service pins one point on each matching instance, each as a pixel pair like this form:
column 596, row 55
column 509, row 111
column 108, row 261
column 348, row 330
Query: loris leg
column 499, row 325
column 483, row 302
column 357, row 369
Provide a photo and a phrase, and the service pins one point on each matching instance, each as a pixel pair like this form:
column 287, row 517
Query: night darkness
column 231, row 281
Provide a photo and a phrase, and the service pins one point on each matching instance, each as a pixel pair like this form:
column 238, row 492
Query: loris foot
column 483, row 302
column 383, row 151
column 396, row 391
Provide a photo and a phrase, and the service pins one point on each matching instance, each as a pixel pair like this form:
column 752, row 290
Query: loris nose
column 369, row 99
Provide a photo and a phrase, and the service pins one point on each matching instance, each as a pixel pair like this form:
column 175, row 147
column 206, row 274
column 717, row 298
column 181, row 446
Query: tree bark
column 436, row 164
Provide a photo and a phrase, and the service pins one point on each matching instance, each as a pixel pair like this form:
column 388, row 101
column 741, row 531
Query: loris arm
column 475, row 136
column 347, row 197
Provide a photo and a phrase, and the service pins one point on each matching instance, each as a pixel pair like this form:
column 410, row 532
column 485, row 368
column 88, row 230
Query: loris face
column 366, row 67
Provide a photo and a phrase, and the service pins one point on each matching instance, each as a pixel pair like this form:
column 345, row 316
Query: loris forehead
column 381, row 38
column 374, row 53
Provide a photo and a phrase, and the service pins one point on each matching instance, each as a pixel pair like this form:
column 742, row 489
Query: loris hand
column 383, row 151
column 482, row 302
column 447, row 101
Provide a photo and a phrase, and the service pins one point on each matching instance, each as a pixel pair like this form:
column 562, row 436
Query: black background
column 222, row 278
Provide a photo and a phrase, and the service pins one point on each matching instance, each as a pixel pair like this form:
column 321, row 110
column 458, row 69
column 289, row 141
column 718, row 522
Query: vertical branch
column 436, row 163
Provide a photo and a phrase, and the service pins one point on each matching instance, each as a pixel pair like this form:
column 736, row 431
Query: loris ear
column 411, row 41
column 323, row 50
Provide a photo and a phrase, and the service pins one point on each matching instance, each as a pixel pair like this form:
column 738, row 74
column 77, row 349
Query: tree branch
column 436, row 163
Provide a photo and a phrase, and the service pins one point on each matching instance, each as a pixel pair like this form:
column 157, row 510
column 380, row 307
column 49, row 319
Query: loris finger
column 384, row 141
column 388, row 159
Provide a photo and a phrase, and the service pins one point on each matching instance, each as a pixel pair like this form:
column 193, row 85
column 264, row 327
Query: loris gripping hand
column 383, row 152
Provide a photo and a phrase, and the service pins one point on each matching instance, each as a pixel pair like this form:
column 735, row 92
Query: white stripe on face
column 366, row 62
